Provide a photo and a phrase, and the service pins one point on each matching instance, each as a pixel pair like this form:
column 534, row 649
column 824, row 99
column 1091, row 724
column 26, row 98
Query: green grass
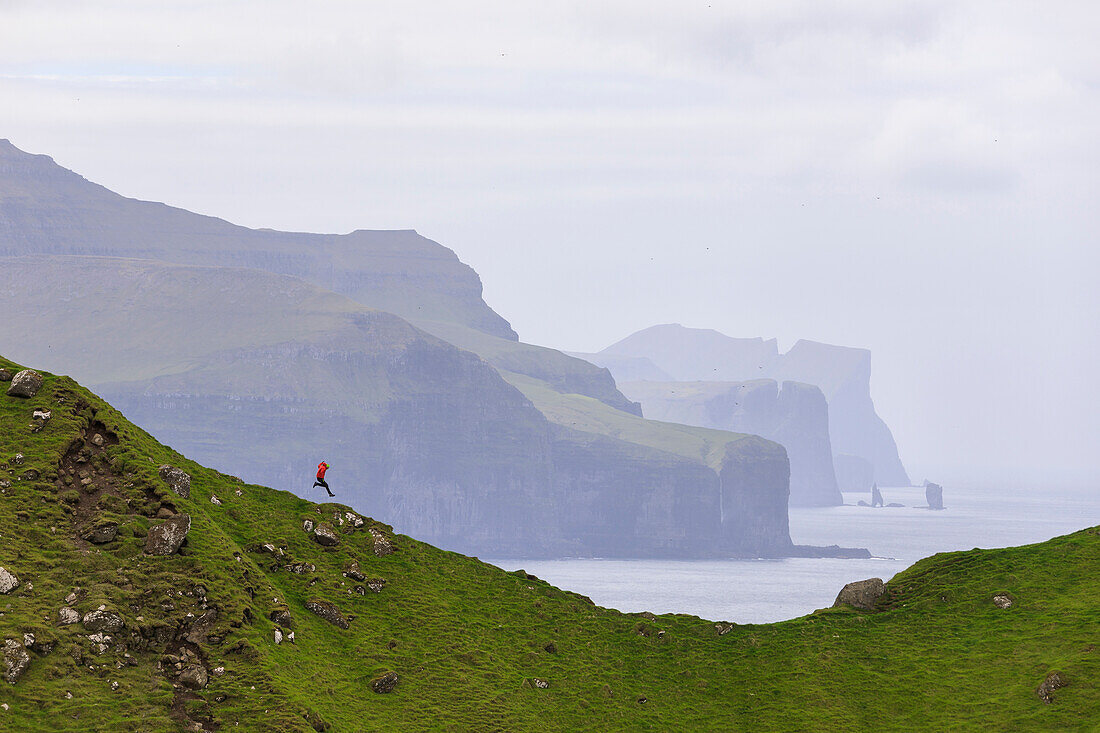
column 466, row 638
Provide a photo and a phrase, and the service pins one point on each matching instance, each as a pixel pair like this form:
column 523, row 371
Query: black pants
column 321, row 482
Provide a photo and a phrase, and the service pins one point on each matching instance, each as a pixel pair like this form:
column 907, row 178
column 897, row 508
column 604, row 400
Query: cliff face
column 264, row 375
column 46, row 209
column 843, row 374
column 796, row 416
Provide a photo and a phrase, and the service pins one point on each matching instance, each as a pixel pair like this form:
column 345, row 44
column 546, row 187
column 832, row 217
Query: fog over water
column 762, row 591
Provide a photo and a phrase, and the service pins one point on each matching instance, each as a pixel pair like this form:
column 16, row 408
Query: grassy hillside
column 472, row 646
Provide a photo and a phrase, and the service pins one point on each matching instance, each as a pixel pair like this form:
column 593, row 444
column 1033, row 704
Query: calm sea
column 762, row 591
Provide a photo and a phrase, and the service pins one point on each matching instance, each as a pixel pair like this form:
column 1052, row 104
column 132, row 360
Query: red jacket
column 321, row 468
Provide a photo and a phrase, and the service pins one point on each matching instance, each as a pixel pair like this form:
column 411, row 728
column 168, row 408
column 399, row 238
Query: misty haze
column 573, row 367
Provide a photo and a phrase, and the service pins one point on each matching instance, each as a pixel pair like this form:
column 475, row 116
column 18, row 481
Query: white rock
column 8, row 581
column 67, row 615
column 278, row 637
column 215, row 500
column 28, row 640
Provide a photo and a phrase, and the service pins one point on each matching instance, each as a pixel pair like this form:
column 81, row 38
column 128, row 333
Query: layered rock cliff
column 843, row 374
column 422, row 433
column 47, row 209
column 795, row 416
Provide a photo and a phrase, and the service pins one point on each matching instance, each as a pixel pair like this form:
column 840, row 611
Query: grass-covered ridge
column 469, row 641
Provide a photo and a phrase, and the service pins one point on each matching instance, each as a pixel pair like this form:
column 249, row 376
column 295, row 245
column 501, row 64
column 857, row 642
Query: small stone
column 5, row 375
column 114, row 685
column 25, row 383
column 1002, row 601
column 8, row 581
column 540, row 683
column 17, row 460
column 290, row 636
column 382, row 545
column 238, row 492
column 353, row 571
column 1053, row 681
column 102, row 533
column 177, row 479
column 43, row 415
column 215, row 500
column 219, row 671
column 71, row 598
column 67, row 616
column 861, row 594
column 384, row 682
column 98, row 440
column 307, row 525
column 354, row 519
column 278, row 636
column 28, row 640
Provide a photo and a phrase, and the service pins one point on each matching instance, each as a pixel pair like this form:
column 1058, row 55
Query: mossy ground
column 467, row 639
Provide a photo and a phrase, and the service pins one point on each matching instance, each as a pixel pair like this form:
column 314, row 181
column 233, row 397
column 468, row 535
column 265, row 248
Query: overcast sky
column 917, row 178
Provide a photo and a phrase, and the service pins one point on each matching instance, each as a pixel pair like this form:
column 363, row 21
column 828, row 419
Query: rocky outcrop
column 329, row 612
column 796, row 417
column 862, row 594
column 933, row 494
column 16, row 660
column 876, row 496
column 177, row 479
column 167, row 537
column 25, row 384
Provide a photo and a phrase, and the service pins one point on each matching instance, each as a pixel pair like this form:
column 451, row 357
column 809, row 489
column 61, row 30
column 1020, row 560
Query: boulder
column 101, row 534
column 876, row 496
column 861, row 594
column 1002, row 601
column 382, row 545
column 325, row 535
column 193, row 676
column 67, row 616
column 282, row 617
column 354, row 572
column 166, row 538
column 101, row 620
column 933, row 494
column 307, row 525
column 5, row 375
column 278, row 636
column 329, row 612
column 25, row 384
column 8, row 581
column 16, row 660
column 177, row 479
column 1053, row 681
column 384, row 682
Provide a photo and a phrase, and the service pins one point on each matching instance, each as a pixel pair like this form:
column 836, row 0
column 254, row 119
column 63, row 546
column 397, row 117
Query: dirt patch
column 85, row 475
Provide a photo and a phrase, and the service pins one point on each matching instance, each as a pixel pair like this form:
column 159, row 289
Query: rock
column 177, row 479
column 329, row 612
column 25, row 384
column 164, row 512
column 282, row 617
column 5, row 375
column 933, row 494
column 382, row 545
column 8, row 581
column 98, row 441
column 215, row 500
column 1002, row 601
column 861, row 593
column 307, row 525
column 354, row 519
column 894, row 505
column 375, row 585
column 238, row 492
column 193, row 676
column 166, row 538
column 876, row 496
column 102, row 534
column 16, row 660
column 30, row 474
column 384, row 682
column 325, row 535
column 1054, row 681
column 67, row 616
column 71, row 598
column 861, row 502
column 540, row 683
column 723, row 629
column 17, row 459
column 278, row 636
column 43, row 415
column 300, row 567
column 353, row 571
column 105, row 621
column 28, row 640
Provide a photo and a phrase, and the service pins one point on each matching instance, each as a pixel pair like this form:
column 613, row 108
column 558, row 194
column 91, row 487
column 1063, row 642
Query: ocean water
column 763, row 591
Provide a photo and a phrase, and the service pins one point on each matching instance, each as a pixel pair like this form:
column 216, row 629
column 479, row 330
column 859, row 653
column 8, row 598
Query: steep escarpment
column 47, row 209
column 415, row 429
column 843, row 374
column 796, row 416
column 143, row 591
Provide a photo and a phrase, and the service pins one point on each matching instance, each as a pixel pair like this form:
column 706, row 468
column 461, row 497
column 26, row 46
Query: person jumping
column 321, row 468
